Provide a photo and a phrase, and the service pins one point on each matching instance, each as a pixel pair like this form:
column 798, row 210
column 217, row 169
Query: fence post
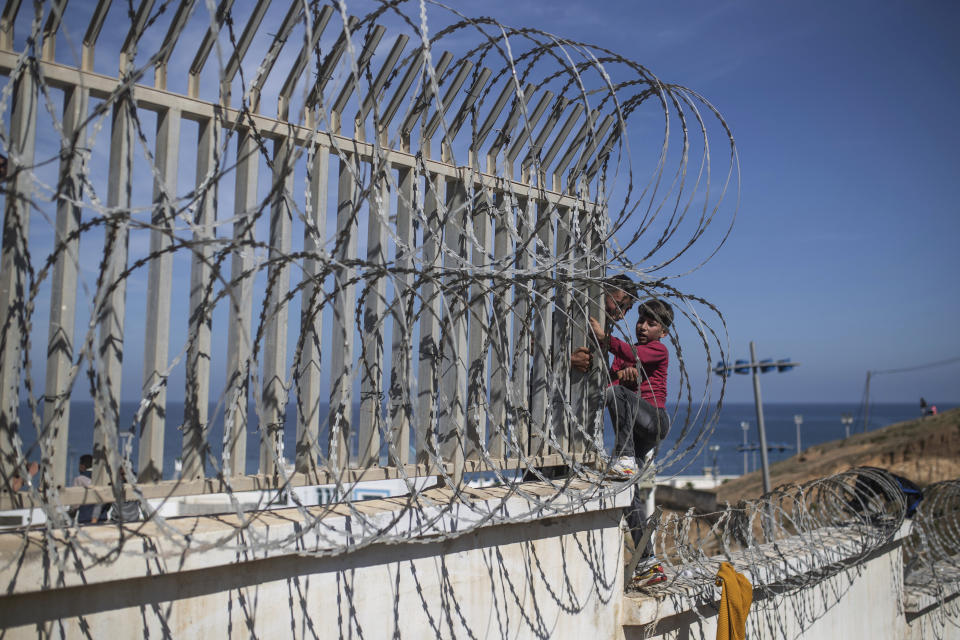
column 275, row 324
column 196, row 408
column 239, row 341
column 159, row 286
column 311, row 316
column 344, row 314
column 111, row 308
column 63, row 290
column 13, row 263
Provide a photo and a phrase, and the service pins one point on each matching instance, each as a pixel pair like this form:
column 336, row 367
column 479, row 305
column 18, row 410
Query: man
column 84, row 478
column 620, row 292
column 85, row 513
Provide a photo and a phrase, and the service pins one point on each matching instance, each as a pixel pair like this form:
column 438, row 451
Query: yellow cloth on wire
column 735, row 602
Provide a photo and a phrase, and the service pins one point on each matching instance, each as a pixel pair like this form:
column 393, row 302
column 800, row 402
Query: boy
column 636, row 399
column 637, row 394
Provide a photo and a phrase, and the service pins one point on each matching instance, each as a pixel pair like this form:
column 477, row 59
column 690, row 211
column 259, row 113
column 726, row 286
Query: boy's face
column 649, row 330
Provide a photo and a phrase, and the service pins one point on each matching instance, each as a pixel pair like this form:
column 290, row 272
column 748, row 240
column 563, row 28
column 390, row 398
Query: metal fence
column 453, row 223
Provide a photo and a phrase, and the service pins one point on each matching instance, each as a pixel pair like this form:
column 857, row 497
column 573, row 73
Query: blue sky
column 843, row 254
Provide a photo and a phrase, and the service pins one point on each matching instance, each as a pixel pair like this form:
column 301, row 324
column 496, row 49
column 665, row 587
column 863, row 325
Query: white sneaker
column 623, row 469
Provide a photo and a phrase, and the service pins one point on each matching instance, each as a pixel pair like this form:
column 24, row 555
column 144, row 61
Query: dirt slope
column 924, row 451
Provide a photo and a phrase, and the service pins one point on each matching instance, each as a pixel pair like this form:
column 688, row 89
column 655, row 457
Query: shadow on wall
column 540, row 579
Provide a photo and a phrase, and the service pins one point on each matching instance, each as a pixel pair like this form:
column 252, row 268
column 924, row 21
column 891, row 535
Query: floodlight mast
column 757, row 367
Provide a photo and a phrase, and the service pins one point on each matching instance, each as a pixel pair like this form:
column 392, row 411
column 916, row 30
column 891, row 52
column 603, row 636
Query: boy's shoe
column 623, row 469
column 650, row 576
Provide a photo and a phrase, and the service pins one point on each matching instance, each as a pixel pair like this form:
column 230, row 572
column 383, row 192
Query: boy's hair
column 86, row 460
column 622, row 282
column 658, row 310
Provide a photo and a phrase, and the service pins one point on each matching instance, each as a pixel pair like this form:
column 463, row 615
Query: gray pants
column 638, row 427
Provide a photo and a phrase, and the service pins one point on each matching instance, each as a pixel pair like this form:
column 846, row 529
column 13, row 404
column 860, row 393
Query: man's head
column 86, row 462
column 653, row 321
column 620, row 292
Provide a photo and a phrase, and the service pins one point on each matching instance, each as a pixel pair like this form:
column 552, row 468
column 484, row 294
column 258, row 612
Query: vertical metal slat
column 275, row 331
column 477, row 387
column 371, row 358
column 403, row 320
column 541, row 416
column 13, row 258
column 196, row 407
column 430, row 313
column 63, row 289
column 519, row 403
column 159, row 286
column 344, row 315
column 453, row 373
column 311, row 317
column 579, row 381
column 112, row 306
column 561, row 350
column 239, row 343
column 500, row 328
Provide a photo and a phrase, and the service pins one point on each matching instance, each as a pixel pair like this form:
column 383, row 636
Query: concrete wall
column 554, row 571
column 866, row 601
column 547, row 577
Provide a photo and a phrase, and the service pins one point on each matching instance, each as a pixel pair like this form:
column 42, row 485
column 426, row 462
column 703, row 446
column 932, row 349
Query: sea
column 721, row 453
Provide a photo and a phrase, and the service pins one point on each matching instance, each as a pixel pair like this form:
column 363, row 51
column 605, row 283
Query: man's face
column 617, row 303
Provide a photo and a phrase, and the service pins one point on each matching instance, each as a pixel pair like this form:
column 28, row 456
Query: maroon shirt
column 653, row 368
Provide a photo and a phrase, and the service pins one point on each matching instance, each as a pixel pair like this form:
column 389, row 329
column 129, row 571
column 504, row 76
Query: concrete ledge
column 556, row 569
column 930, row 587
column 33, row 560
column 803, row 579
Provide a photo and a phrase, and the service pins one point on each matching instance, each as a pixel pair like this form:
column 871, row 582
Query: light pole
column 847, row 420
column 757, row 367
column 798, row 420
column 746, row 427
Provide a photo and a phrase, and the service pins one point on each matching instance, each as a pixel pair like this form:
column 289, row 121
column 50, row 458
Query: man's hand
column 580, row 359
column 597, row 329
column 630, row 374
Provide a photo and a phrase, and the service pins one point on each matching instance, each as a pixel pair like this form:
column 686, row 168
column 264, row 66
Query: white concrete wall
column 867, row 601
column 544, row 578
column 555, row 572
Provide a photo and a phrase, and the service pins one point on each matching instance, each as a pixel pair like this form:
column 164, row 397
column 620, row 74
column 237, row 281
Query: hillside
column 923, row 450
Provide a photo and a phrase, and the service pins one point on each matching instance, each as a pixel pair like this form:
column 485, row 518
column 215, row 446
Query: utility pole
column 757, row 367
column 758, row 402
column 798, row 420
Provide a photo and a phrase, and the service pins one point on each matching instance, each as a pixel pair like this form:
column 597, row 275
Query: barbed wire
column 442, row 295
column 812, row 538
column 433, row 273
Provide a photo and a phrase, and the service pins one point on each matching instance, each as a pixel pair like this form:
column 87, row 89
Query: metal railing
column 438, row 299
